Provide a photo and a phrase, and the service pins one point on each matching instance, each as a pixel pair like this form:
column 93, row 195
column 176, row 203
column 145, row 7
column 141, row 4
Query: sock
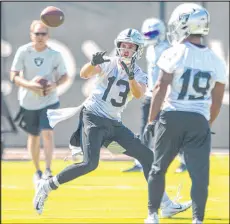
column 53, row 183
column 39, row 172
column 152, row 212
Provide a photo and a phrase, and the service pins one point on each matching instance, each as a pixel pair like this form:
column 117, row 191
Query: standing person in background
column 154, row 32
column 197, row 78
column 36, row 61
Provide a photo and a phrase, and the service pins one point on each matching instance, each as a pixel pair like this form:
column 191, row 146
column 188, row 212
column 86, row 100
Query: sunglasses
column 40, row 34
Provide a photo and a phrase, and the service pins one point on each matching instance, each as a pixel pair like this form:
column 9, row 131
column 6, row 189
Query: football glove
column 129, row 71
column 98, row 58
column 149, row 131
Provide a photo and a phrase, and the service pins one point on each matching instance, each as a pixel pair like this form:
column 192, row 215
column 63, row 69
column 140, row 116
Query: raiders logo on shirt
column 38, row 61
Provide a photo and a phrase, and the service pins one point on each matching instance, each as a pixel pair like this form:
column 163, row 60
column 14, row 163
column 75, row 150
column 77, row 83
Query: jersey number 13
column 121, row 94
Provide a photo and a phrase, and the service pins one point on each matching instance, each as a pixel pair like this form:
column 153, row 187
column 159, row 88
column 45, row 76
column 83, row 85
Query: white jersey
column 195, row 72
column 153, row 53
column 112, row 93
column 48, row 64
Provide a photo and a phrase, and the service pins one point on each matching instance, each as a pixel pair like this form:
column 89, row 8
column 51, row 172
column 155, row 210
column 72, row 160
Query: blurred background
column 89, row 27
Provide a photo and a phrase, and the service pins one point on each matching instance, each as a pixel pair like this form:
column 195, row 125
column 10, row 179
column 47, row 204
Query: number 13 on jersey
column 199, row 82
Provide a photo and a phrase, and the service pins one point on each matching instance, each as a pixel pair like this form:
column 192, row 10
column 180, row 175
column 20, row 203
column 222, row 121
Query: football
column 52, row 16
column 42, row 82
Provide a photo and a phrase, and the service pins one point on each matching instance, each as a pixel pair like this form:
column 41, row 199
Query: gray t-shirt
column 48, row 64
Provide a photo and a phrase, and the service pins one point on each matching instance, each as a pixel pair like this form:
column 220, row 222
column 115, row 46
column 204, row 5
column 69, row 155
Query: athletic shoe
column 196, row 221
column 174, row 208
column 152, row 219
column 182, row 168
column 37, row 176
column 75, row 150
column 40, row 196
column 47, row 174
column 135, row 168
column 76, row 153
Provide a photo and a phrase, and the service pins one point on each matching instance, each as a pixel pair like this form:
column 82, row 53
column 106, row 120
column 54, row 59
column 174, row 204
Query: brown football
column 52, row 16
column 43, row 82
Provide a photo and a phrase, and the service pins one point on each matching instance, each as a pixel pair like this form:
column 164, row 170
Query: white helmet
column 130, row 36
column 186, row 19
column 153, row 30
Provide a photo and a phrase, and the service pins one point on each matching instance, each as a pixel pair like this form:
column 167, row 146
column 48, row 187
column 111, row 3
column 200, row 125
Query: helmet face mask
column 153, row 31
column 129, row 36
column 126, row 58
column 187, row 19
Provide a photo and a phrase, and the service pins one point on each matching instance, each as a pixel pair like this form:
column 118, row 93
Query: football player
column 119, row 79
column 154, row 32
column 196, row 78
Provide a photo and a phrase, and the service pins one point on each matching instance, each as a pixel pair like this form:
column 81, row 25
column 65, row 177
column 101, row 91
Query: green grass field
column 106, row 195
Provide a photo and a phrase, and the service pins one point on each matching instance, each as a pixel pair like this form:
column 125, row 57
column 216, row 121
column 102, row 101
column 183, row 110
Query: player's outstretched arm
column 90, row 69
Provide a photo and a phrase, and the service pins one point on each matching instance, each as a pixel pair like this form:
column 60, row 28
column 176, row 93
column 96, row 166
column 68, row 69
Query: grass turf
column 106, row 195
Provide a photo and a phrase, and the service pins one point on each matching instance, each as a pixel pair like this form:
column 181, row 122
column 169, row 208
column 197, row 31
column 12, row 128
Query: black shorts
column 33, row 121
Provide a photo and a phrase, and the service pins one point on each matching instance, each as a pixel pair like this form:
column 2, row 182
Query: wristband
column 131, row 76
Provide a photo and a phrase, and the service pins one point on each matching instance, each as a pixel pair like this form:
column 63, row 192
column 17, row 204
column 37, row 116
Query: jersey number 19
column 196, row 84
